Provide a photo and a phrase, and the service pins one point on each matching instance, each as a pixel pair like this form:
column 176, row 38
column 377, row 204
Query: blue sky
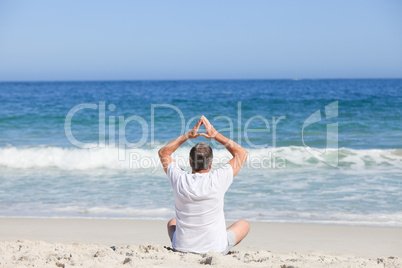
column 130, row 40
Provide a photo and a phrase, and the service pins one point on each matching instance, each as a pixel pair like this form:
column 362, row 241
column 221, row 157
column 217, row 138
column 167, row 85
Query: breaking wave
column 113, row 158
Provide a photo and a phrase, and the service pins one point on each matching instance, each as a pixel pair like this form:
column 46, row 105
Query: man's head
column 201, row 157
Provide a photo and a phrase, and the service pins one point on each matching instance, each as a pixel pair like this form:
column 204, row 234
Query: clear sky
column 209, row 39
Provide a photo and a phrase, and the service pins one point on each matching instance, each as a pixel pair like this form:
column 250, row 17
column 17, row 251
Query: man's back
column 199, row 200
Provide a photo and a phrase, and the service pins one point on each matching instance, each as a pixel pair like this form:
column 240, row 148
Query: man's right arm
column 239, row 153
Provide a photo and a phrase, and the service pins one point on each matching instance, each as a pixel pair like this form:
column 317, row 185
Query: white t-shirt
column 199, row 198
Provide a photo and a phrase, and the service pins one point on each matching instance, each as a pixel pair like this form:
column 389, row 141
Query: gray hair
column 201, row 156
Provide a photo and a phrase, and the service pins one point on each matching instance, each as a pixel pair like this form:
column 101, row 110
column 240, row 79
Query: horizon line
column 190, row 79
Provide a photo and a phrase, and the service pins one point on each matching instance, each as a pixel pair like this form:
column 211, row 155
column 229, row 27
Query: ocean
column 320, row 151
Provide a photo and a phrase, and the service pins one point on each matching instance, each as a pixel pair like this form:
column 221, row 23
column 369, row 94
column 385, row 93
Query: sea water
column 320, row 151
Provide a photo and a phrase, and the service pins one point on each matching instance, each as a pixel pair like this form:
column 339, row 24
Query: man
column 199, row 225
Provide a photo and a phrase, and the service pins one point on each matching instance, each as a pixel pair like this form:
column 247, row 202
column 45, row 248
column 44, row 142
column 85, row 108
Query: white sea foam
column 391, row 219
column 329, row 217
column 116, row 211
column 72, row 182
column 108, row 158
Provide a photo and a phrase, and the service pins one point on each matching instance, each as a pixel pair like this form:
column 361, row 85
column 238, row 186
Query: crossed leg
column 171, row 227
column 239, row 228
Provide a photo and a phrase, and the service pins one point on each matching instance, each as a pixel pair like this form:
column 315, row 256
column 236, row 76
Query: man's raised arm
column 166, row 151
column 239, row 153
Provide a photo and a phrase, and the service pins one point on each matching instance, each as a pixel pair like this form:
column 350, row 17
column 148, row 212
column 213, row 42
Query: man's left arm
column 165, row 153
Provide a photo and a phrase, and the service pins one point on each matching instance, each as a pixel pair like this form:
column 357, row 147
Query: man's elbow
column 245, row 154
column 161, row 152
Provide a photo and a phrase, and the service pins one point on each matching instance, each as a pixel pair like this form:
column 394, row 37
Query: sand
column 141, row 243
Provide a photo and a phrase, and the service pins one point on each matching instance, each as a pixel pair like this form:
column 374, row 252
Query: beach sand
column 140, row 243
